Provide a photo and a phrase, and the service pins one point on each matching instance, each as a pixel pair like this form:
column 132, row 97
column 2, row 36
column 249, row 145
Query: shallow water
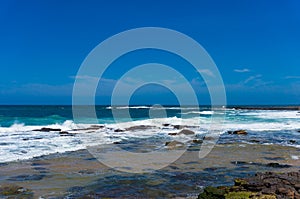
column 77, row 174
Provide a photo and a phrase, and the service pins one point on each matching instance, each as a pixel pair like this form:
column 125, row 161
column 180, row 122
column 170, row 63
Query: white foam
column 199, row 112
column 19, row 141
column 270, row 114
column 295, row 157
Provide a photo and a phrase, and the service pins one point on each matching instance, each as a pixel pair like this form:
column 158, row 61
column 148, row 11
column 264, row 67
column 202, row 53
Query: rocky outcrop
column 238, row 132
column 178, row 126
column 183, row 132
column 66, row 133
column 119, row 130
column 45, row 129
column 139, row 128
column 263, row 185
column 92, row 127
column 186, row 132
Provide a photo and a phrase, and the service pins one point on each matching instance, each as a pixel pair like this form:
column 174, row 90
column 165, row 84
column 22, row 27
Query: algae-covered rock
column 238, row 182
column 212, row 193
column 10, row 190
column 14, row 191
column 267, row 185
column 238, row 195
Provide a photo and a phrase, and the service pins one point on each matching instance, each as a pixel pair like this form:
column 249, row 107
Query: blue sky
column 255, row 44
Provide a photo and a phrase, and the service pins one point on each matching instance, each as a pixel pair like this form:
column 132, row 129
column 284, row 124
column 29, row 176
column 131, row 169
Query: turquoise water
column 19, row 140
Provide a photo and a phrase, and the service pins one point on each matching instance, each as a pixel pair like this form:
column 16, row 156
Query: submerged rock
column 277, row 165
column 22, row 178
column 14, row 191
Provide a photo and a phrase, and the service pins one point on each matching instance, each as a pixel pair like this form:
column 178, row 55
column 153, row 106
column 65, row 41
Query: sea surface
column 20, row 138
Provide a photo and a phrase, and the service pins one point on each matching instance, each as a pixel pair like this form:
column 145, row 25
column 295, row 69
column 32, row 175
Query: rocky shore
column 80, row 175
column 267, row 185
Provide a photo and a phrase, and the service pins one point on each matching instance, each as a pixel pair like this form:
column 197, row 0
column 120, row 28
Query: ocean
column 21, row 140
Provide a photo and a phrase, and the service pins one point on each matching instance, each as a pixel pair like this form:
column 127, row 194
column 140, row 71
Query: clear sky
column 254, row 43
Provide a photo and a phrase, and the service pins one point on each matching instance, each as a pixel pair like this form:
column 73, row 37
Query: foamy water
column 20, row 140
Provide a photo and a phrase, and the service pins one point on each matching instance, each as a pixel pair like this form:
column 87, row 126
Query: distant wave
column 270, row 114
column 199, row 112
column 154, row 107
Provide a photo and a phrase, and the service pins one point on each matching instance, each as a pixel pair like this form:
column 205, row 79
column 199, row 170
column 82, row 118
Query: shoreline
column 79, row 174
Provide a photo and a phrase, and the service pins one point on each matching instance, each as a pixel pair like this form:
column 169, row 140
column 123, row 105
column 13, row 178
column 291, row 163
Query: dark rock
column 165, row 124
column 213, row 169
column 40, row 163
column 117, row 143
column 91, row 159
column 40, row 168
column 172, row 133
column 238, row 132
column 119, row 130
column 186, row 132
column 139, row 128
column 65, row 133
column 255, row 141
column 292, row 141
column 239, row 163
column 277, row 165
column 178, row 126
column 196, row 141
column 44, row 129
column 26, row 177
